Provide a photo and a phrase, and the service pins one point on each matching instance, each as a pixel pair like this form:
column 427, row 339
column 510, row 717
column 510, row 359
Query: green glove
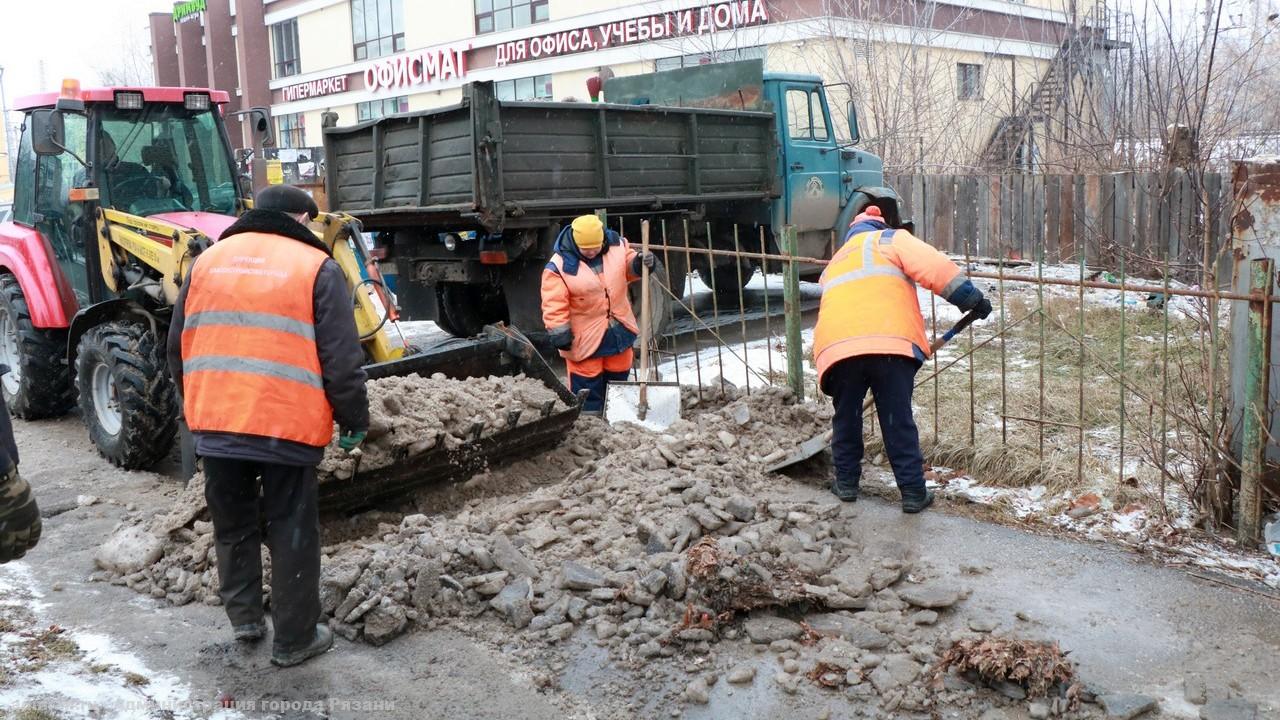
column 349, row 441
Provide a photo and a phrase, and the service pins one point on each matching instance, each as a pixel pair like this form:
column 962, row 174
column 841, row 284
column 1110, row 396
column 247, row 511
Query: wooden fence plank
column 982, row 215
column 966, row 225
column 1052, row 215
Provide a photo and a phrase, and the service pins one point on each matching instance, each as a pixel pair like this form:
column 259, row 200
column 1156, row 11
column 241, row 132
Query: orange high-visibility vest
column 249, row 358
column 586, row 301
column 869, row 304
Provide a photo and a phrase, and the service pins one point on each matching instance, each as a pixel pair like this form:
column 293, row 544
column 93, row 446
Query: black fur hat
column 286, row 199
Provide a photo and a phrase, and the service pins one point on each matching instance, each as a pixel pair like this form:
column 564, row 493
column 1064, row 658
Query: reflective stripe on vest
column 249, row 358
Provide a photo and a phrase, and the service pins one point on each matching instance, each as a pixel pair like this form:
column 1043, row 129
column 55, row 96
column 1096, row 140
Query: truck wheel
column 38, row 384
column 661, row 304
column 126, row 396
column 464, row 310
column 724, row 282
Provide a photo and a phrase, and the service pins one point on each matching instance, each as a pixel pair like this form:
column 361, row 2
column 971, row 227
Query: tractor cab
column 156, row 153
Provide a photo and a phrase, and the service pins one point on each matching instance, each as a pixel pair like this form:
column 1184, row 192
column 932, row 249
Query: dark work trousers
column 890, row 379
column 285, row 497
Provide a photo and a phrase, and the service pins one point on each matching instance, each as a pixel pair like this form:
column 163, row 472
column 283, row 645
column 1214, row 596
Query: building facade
column 935, row 83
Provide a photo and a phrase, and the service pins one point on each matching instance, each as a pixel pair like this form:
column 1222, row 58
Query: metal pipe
column 1257, row 389
column 742, row 309
column 693, row 310
column 715, row 306
column 791, row 309
column 768, row 326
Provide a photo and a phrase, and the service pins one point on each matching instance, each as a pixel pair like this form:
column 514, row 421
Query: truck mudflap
column 499, row 351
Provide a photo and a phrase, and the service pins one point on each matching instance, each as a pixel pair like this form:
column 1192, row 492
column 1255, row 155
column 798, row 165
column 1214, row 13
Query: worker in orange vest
column 870, row 336
column 264, row 351
column 585, row 305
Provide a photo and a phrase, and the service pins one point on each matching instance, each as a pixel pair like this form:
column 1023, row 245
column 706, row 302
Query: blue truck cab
column 823, row 181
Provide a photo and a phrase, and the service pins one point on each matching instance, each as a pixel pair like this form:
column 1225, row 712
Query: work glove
column 982, row 309
column 20, row 524
column 562, row 341
column 349, row 440
column 650, row 260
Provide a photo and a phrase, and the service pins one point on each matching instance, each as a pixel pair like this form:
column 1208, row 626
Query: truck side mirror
column 853, row 123
column 47, row 134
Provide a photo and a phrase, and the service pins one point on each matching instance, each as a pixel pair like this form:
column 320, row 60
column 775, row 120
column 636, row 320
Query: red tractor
column 117, row 190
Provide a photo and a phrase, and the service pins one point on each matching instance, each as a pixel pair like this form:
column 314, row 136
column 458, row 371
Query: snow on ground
column 75, row 672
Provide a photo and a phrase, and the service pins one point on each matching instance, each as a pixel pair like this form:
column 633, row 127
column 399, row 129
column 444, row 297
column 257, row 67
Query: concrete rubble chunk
column 581, row 577
column 528, row 507
column 384, row 622
column 129, row 550
column 742, row 674
column 930, row 595
column 838, row 653
column 741, row 508
column 697, row 692
column 764, row 629
column 508, row 557
column 541, row 535
column 1125, row 706
column 513, row 603
column 1233, row 709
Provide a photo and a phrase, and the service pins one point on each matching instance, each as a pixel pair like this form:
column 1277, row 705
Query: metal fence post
column 791, row 308
column 1257, row 382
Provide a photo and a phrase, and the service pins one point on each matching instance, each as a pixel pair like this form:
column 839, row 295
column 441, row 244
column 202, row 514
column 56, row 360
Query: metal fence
column 1101, row 365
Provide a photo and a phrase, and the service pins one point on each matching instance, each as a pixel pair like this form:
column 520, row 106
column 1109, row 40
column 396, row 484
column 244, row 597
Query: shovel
column 652, row 405
column 822, row 441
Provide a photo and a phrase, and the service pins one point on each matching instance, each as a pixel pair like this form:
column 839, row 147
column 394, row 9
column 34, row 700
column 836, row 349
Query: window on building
column 537, row 87
column 497, row 15
column 805, row 119
column 377, row 27
column 708, row 58
column 284, row 43
column 968, row 81
column 290, row 132
column 381, row 108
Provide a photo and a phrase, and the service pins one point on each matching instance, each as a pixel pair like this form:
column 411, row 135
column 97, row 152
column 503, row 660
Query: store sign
column 189, row 9
column 660, row 26
column 315, row 88
column 421, row 67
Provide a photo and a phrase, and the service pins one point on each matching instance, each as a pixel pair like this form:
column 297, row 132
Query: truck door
column 811, row 160
column 61, row 222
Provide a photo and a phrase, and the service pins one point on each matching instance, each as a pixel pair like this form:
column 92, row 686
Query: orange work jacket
column 584, row 302
column 249, row 359
column 869, row 304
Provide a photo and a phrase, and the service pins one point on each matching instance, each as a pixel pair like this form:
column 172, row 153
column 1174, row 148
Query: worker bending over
column 264, row 351
column 870, row 336
column 585, row 305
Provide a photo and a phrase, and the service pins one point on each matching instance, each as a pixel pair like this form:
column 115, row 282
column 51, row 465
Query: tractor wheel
column 38, row 384
column 463, row 310
column 126, row 396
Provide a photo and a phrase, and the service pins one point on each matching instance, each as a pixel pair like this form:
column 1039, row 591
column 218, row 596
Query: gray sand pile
column 660, row 545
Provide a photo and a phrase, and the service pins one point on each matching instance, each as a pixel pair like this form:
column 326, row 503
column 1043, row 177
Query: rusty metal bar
column 1080, row 403
column 1041, row 313
column 666, row 266
column 1257, row 383
column 693, row 310
column 768, row 326
column 1004, row 367
column 1164, row 379
column 933, row 313
column 715, row 304
column 1073, row 426
column 1123, row 341
column 742, row 309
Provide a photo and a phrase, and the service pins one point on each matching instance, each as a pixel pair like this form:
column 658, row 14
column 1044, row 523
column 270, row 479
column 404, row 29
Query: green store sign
column 184, row 10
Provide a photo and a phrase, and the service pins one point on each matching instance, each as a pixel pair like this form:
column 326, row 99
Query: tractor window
column 24, row 189
column 59, row 220
column 164, row 158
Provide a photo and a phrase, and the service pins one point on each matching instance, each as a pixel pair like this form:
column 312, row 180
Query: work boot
column 250, row 632
column 318, row 646
column 913, row 501
column 917, row 500
column 844, row 493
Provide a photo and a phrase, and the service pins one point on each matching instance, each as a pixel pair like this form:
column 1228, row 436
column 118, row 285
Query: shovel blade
column 622, row 404
column 806, row 450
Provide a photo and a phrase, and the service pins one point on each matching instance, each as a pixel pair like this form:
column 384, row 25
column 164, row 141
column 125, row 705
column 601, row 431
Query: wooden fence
column 1149, row 217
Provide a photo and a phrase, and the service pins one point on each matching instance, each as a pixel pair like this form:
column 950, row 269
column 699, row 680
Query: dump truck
column 118, row 191
column 697, row 150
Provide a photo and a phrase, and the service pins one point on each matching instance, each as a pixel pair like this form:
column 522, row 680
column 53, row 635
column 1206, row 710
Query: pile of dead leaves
column 1038, row 667
column 732, row 583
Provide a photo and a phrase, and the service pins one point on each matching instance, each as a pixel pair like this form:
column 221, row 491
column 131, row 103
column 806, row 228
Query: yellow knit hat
column 588, row 232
